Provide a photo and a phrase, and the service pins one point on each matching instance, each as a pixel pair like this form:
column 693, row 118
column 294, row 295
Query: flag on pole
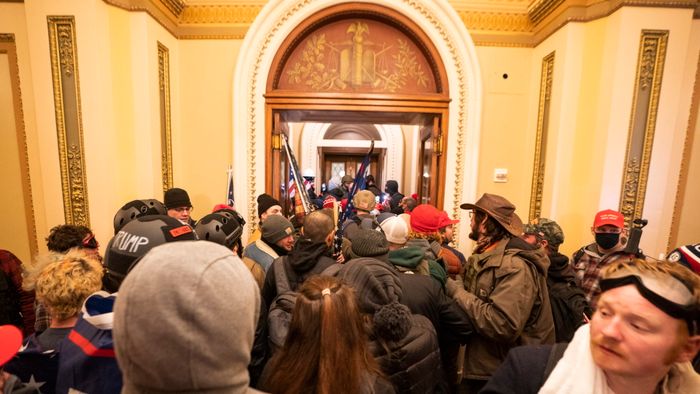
column 229, row 196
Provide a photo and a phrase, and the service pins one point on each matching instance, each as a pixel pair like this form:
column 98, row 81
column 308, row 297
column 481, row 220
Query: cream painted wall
column 506, row 128
column 13, row 20
column 205, row 140
column 689, row 217
column 13, row 236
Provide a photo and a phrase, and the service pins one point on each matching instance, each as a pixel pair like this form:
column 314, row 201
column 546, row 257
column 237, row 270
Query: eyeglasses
column 183, row 209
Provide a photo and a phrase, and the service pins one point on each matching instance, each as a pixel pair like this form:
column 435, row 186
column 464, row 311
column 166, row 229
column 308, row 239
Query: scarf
column 576, row 372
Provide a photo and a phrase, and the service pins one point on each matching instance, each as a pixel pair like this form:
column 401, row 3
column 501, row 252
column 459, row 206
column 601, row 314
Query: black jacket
column 423, row 295
column 413, row 362
column 306, row 259
column 522, row 372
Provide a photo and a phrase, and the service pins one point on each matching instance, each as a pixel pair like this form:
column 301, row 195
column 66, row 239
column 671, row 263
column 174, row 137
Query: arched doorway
column 355, row 67
column 254, row 110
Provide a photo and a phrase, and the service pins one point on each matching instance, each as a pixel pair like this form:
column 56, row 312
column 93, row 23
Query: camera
column 635, row 236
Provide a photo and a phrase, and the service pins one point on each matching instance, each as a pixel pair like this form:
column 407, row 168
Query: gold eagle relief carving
column 356, row 61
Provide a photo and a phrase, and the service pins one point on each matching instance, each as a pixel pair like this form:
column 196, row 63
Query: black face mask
column 607, row 240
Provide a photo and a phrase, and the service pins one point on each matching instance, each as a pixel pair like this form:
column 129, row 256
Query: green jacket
column 504, row 292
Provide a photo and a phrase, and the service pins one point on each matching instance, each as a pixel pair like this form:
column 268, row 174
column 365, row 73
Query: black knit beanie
column 176, row 198
column 265, row 202
column 375, row 282
column 369, row 243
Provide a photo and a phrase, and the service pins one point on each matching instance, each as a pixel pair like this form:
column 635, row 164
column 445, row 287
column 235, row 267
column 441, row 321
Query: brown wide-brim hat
column 501, row 210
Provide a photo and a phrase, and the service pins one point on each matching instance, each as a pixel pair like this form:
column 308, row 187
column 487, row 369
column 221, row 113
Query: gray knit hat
column 369, row 243
column 197, row 305
column 276, row 227
column 378, row 292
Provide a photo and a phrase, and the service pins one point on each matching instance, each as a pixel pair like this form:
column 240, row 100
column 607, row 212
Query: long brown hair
column 326, row 348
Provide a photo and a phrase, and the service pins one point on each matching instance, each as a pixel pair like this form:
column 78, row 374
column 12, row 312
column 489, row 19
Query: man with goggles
column 640, row 340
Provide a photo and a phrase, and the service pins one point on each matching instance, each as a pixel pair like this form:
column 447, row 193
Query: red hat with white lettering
column 609, row 217
column 135, row 239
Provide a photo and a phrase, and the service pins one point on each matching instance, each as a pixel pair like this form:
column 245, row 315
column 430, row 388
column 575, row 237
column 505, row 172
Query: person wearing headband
column 641, row 339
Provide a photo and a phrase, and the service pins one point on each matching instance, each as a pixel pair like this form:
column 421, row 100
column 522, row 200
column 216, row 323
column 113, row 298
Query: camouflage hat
column 547, row 229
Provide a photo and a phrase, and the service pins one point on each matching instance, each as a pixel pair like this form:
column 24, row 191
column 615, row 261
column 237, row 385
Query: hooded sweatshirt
column 184, row 321
column 409, row 259
column 307, row 258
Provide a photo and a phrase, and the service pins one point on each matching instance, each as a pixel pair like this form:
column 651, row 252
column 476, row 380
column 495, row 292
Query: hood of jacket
column 306, row 254
column 533, row 254
column 408, row 257
column 559, row 268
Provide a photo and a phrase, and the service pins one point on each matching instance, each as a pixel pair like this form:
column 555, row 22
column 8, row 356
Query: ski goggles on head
column 665, row 291
column 90, row 242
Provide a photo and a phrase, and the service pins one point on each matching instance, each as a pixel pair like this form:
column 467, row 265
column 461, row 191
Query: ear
column 689, row 349
column 544, row 244
column 330, row 238
column 593, row 231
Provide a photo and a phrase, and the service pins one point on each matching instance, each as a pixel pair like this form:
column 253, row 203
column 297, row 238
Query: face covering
column 607, row 240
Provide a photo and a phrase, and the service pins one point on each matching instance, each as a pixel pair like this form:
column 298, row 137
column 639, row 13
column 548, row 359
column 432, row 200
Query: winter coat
column 306, row 259
column 409, row 259
column 260, row 252
column 413, row 362
column 505, row 294
column 588, row 264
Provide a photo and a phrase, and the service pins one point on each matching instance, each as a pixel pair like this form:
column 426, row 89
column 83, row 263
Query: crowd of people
column 178, row 304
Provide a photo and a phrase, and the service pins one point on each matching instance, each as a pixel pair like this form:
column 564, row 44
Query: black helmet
column 224, row 227
column 135, row 239
column 135, row 209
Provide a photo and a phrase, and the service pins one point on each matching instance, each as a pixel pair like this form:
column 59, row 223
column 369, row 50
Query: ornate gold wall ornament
column 220, row 14
column 541, row 139
column 8, row 46
column 539, row 9
column 175, row 6
column 495, row 21
column 650, row 67
column 356, row 62
column 690, row 134
column 165, row 125
column 66, row 87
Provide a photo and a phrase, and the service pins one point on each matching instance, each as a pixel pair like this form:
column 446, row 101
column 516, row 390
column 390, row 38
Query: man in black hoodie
column 393, row 203
column 568, row 300
column 310, row 255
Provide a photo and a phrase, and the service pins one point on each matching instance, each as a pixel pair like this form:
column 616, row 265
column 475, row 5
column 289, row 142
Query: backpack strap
column 554, row 356
column 281, row 280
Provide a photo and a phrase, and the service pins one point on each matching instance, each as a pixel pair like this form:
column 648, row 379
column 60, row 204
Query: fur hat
column 500, row 210
column 176, row 198
column 135, row 239
column 395, row 230
column 265, row 202
column 369, row 243
column 364, row 200
column 197, row 304
column 276, row 227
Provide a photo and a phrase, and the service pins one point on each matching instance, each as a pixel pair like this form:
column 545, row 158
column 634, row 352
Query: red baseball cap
column 609, row 217
column 10, row 342
column 444, row 220
column 426, row 218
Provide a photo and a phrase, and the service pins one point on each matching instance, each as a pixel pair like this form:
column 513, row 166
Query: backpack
column 569, row 304
column 9, row 302
column 280, row 312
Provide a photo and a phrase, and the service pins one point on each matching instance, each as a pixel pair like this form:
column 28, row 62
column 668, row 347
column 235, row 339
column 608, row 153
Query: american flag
column 292, row 186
